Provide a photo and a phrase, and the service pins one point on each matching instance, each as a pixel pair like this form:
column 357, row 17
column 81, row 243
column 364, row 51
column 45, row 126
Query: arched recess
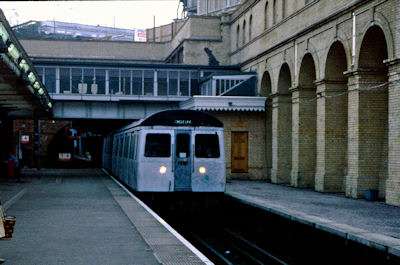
column 282, row 128
column 237, row 36
column 266, row 89
column 332, row 104
column 250, row 27
column 368, row 168
column 304, row 126
column 244, row 33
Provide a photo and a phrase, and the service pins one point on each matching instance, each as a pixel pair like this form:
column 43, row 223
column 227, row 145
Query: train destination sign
column 183, row 122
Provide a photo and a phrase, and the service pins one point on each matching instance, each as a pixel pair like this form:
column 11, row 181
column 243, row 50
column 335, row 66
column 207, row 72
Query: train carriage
column 173, row 150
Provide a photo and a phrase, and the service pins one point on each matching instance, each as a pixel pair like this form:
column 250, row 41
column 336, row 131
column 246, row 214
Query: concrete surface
column 372, row 223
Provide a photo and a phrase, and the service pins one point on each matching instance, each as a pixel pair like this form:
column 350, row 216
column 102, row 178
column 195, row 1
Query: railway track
column 226, row 247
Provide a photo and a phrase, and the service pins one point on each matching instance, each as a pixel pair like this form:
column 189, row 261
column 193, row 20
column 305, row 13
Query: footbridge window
column 66, row 80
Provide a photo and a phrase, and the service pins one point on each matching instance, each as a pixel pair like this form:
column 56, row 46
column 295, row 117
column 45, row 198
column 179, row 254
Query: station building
column 324, row 114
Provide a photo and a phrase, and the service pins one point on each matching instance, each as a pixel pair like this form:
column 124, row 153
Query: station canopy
column 22, row 92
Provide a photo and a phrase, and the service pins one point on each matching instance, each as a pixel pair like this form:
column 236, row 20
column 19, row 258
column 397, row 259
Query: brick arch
column 369, row 165
column 282, row 128
column 266, row 84
column 284, row 79
column 382, row 23
column 332, row 128
column 336, row 62
column 325, row 57
column 311, row 50
column 304, row 126
column 307, row 71
column 373, row 49
column 266, row 90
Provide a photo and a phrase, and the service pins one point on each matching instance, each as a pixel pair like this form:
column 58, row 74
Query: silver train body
column 174, row 150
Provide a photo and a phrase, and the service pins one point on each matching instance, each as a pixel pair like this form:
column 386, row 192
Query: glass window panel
column 184, row 83
column 182, row 145
column 126, row 82
column 50, row 79
column 158, row 145
column 162, row 83
column 88, row 79
column 39, row 71
column 148, row 82
column 194, row 84
column 113, row 77
column 101, row 81
column 76, row 79
column 65, row 77
column 173, row 83
column 207, row 146
column 137, row 82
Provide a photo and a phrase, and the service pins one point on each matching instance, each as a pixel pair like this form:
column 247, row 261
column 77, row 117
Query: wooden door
column 239, row 153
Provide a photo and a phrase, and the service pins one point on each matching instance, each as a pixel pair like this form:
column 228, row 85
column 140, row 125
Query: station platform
column 372, row 223
column 82, row 216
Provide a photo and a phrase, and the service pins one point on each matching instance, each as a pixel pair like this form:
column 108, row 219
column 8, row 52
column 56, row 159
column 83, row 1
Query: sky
column 121, row 14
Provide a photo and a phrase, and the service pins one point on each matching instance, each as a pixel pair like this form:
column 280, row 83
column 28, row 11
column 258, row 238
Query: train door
column 183, row 161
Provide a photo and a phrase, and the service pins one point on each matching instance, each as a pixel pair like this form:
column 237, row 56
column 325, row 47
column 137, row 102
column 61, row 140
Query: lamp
column 13, row 51
column 36, row 85
column 32, row 77
column 23, row 65
column 41, row 91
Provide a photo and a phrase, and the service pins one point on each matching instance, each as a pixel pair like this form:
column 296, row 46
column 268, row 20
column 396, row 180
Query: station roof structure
column 22, row 92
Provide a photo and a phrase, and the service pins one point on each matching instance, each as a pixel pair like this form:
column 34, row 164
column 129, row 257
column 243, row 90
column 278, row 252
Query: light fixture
column 36, row 85
column 163, row 169
column 4, row 33
column 41, row 91
column 202, row 170
column 13, row 51
column 23, row 65
column 50, row 105
column 32, row 77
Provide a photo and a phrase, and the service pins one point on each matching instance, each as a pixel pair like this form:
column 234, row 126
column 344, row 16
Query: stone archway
column 304, row 126
column 331, row 163
column 282, row 128
column 266, row 89
column 368, row 118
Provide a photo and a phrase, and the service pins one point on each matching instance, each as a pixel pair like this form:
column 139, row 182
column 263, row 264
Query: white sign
column 25, row 139
column 64, row 156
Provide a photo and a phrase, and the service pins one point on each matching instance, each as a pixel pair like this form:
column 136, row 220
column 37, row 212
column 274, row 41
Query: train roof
column 177, row 118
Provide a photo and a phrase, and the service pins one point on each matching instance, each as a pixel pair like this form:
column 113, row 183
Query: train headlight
column 163, row 169
column 202, row 170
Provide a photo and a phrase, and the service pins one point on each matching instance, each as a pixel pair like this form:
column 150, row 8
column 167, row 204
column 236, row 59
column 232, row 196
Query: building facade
column 329, row 70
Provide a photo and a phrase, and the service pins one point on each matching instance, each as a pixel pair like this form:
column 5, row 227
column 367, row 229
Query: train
column 168, row 152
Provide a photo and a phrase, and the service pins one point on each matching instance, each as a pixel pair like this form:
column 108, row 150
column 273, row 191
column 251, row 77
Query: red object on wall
column 11, row 168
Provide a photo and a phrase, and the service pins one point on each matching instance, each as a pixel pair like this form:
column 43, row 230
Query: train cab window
column 158, row 145
column 207, row 146
column 182, row 145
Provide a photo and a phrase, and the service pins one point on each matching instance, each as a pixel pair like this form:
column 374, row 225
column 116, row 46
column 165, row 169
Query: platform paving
column 372, row 223
column 82, row 217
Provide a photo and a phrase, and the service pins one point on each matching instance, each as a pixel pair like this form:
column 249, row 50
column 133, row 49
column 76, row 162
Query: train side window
column 207, row 146
column 127, row 142
column 121, row 145
column 132, row 150
column 158, row 145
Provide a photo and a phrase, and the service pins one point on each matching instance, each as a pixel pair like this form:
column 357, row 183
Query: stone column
column 367, row 126
column 304, row 136
column 331, row 166
column 281, row 138
column 393, row 180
